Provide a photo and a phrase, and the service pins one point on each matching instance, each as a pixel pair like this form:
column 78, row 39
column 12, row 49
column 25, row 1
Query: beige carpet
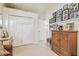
column 39, row 49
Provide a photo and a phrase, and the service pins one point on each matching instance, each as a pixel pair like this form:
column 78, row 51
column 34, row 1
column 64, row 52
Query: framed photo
column 59, row 15
column 76, row 14
column 66, row 14
column 71, row 15
column 76, row 7
column 73, row 7
column 54, row 15
column 65, row 6
column 52, row 20
column 71, row 10
column 70, row 26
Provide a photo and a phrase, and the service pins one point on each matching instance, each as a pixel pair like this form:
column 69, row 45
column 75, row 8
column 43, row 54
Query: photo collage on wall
column 67, row 12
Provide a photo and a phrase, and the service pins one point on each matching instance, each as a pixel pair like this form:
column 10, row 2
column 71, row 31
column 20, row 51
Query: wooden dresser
column 64, row 43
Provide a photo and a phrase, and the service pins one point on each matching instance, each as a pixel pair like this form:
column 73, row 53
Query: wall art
column 73, row 7
column 59, row 15
column 66, row 14
column 71, row 15
column 65, row 7
column 52, row 20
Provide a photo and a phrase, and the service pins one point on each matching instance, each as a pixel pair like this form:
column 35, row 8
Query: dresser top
column 62, row 31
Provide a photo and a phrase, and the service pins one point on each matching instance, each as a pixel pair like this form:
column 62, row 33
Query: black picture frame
column 73, row 7
column 59, row 15
column 65, row 7
column 76, row 14
column 52, row 20
column 65, row 14
column 71, row 15
column 54, row 15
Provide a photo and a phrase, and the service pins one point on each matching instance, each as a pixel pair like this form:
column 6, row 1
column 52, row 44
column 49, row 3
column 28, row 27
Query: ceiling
column 39, row 8
column 32, row 7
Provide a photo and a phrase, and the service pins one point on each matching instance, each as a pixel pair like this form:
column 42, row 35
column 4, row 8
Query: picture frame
column 65, row 7
column 70, row 26
column 74, row 7
column 52, row 20
column 71, row 15
column 76, row 14
column 54, row 15
column 59, row 15
column 65, row 14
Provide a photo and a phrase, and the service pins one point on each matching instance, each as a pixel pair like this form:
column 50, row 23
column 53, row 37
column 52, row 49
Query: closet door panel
column 22, row 30
column 27, row 28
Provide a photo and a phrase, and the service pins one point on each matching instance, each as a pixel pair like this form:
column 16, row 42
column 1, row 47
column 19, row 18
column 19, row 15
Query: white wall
column 49, row 15
column 40, row 30
column 1, row 6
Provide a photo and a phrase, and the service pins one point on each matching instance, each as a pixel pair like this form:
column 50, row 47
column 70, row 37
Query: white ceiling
column 32, row 7
column 40, row 8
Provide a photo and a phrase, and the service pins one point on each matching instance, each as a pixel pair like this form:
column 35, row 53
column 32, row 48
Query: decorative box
column 53, row 27
column 66, row 14
column 59, row 15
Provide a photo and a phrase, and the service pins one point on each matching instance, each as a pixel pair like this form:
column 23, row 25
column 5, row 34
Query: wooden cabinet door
column 64, row 48
column 73, row 43
column 55, row 38
column 55, row 41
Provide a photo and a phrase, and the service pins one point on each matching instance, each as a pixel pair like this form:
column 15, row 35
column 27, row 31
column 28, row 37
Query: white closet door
column 21, row 29
column 42, row 30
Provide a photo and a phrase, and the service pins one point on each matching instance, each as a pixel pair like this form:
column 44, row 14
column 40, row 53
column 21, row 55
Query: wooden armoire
column 64, row 43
